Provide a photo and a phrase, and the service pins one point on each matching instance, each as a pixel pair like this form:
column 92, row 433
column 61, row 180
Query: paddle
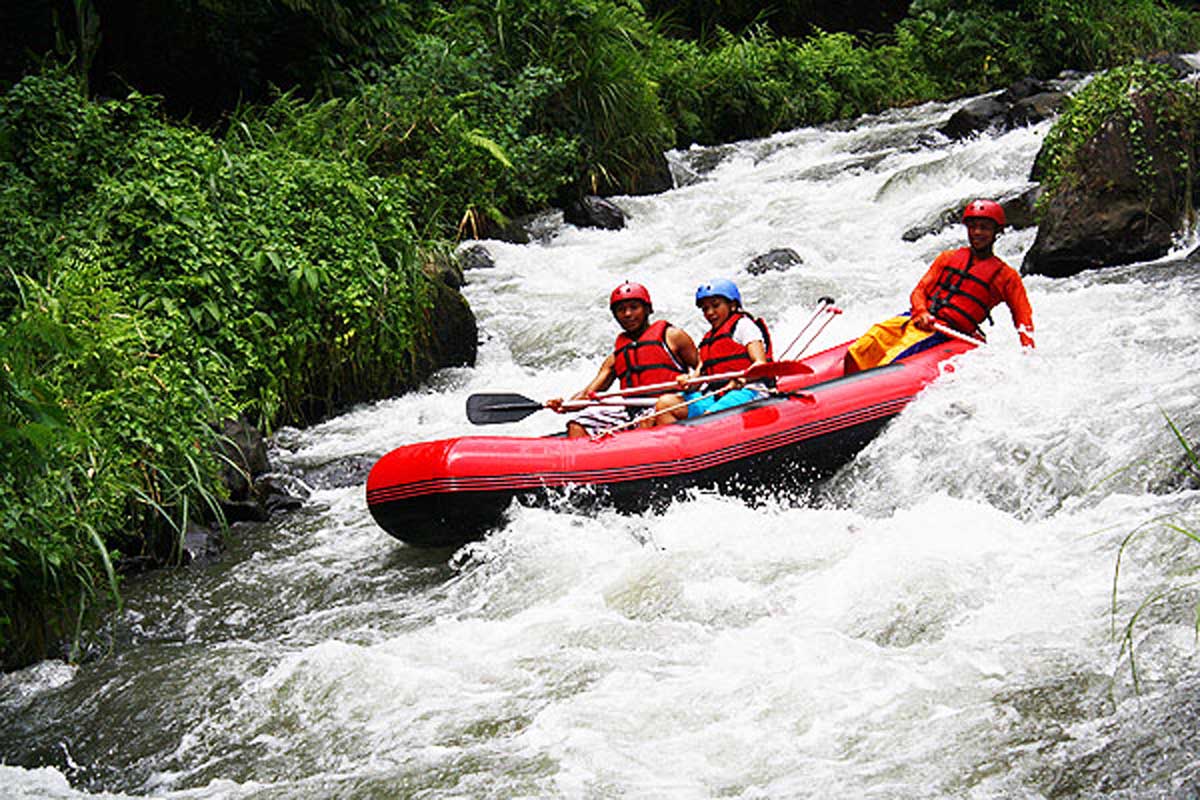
column 824, row 304
column 771, row 369
column 491, row 409
column 643, row 417
column 953, row 334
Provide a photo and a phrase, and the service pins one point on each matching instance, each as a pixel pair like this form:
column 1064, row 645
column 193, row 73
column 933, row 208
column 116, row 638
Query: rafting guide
column 644, row 353
column 952, row 299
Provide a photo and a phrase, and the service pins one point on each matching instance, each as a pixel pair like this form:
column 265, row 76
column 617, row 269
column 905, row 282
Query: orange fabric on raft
column 1007, row 288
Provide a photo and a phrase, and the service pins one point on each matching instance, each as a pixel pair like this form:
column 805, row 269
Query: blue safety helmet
column 721, row 287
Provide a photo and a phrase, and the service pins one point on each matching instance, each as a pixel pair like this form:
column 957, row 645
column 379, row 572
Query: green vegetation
column 156, row 276
column 156, row 281
column 727, row 87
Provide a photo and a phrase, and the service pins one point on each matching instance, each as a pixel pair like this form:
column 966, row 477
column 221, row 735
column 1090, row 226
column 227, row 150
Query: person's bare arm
column 604, row 378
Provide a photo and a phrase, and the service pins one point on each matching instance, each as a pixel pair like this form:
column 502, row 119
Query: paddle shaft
column 491, row 409
column 953, row 334
column 771, row 369
column 575, row 405
column 659, row 413
column 824, row 304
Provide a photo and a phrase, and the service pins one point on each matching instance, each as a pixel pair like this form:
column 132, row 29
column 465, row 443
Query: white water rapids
column 938, row 621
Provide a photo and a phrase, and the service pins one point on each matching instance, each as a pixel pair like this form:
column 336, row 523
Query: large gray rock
column 243, row 452
column 591, row 211
column 537, row 227
column 1018, row 210
column 455, row 333
column 475, row 256
column 655, row 179
column 1025, row 102
column 1124, row 205
column 976, row 116
column 778, row 260
column 1033, row 109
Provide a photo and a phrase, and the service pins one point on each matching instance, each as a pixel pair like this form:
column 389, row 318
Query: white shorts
column 600, row 418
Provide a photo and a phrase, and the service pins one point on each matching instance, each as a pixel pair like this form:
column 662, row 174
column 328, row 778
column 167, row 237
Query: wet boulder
column 475, row 256
column 201, row 544
column 1025, row 102
column 1033, row 109
column 1018, row 210
column 282, row 493
column 1022, row 89
column 654, row 179
column 537, row 227
column 454, row 332
column 446, row 271
column 693, row 165
column 976, row 116
column 1124, row 200
column 252, row 493
column 339, row 473
column 1019, row 206
column 591, row 211
column 935, row 224
column 778, row 260
column 243, row 452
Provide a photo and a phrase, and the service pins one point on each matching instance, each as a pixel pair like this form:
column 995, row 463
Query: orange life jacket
column 647, row 358
column 720, row 353
column 964, row 296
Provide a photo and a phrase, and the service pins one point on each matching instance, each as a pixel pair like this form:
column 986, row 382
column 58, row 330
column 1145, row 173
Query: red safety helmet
column 630, row 291
column 987, row 209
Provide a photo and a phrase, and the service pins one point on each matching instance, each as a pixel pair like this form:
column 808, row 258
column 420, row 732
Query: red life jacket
column 646, row 359
column 964, row 297
column 720, row 353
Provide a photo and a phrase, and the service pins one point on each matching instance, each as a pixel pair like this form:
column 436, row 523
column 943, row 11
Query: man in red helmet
column 959, row 290
column 644, row 353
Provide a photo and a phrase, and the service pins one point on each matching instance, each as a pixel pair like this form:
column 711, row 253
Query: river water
column 943, row 618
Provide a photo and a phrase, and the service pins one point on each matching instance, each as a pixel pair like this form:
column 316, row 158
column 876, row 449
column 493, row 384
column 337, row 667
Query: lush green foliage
column 462, row 134
column 603, row 95
column 535, row 97
column 975, row 45
column 155, row 281
column 755, row 85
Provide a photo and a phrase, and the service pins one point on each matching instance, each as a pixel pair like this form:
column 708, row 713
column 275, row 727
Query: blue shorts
column 734, row 397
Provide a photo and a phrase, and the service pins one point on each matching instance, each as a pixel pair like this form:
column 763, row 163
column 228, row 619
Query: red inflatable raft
column 448, row 492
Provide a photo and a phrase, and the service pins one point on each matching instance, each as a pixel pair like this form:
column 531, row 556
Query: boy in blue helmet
column 734, row 342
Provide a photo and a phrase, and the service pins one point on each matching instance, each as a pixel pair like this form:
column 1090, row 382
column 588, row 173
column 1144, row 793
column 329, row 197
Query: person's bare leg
column 661, row 415
column 678, row 411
